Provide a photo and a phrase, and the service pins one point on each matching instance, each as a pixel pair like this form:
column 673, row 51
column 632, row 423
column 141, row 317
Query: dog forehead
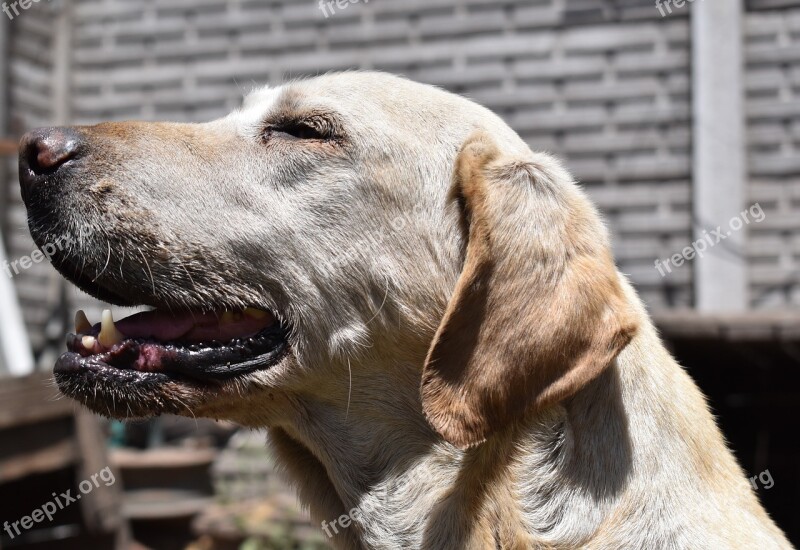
column 262, row 103
column 378, row 108
column 260, row 97
column 359, row 96
column 254, row 107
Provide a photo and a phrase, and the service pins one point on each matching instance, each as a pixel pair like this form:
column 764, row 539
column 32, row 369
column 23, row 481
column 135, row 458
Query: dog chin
column 131, row 395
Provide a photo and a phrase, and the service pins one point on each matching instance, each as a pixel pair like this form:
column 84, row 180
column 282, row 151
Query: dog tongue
column 195, row 327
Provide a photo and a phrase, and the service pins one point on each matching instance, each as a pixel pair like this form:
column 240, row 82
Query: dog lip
column 207, row 363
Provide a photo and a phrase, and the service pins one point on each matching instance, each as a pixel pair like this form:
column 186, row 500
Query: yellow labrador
column 423, row 311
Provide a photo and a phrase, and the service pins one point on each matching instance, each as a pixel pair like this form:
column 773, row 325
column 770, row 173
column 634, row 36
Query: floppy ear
column 538, row 311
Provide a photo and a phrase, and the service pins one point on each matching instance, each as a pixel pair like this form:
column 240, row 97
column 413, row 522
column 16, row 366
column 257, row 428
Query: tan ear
column 538, row 311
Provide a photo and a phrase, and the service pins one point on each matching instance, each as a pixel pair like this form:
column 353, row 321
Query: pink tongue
column 191, row 327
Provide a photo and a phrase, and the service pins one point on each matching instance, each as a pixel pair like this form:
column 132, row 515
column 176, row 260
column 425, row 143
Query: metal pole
column 15, row 351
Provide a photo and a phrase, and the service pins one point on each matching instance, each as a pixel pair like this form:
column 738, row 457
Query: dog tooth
column 82, row 323
column 109, row 335
column 255, row 313
column 89, row 342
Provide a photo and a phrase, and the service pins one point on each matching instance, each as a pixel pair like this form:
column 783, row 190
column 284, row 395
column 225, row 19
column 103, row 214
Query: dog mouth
column 156, row 346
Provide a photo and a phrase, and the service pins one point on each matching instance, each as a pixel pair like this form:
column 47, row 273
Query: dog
column 424, row 313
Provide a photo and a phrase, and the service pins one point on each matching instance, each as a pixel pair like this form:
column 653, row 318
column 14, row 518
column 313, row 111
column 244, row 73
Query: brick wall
column 30, row 97
column 773, row 115
column 605, row 84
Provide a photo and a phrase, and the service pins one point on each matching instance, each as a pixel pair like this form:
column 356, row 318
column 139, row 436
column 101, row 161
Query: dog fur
column 468, row 368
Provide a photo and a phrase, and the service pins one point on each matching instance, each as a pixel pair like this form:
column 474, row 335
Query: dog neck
column 371, row 472
column 581, row 473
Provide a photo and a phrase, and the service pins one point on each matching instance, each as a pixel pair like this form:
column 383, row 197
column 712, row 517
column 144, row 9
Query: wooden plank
column 102, row 507
column 161, row 504
column 31, row 399
column 778, row 326
column 61, row 454
column 131, row 459
column 8, row 147
column 36, row 448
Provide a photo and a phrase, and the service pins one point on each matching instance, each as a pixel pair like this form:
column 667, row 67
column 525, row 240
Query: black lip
column 124, row 394
column 209, row 364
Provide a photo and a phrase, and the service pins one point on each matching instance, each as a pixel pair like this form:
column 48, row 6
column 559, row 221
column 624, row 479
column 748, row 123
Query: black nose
column 43, row 152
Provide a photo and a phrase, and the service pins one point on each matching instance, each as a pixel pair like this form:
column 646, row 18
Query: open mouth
column 190, row 346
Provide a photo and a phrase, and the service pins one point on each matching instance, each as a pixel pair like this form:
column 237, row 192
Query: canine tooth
column 82, row 323
column 255, row 313
column 109, row 335
column 88, row 342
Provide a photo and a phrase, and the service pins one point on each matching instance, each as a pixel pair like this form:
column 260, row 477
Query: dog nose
column 47, row 149
column 44, row 151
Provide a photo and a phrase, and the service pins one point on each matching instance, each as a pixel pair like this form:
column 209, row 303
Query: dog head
column 328, row 223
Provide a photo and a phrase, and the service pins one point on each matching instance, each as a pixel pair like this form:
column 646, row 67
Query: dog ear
column 538, row 311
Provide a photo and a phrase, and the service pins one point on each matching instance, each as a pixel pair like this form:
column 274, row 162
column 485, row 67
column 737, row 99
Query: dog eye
column 297, row 131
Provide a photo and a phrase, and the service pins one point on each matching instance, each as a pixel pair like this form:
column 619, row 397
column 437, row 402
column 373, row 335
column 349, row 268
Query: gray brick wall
column 773, row 114
column 30, row 93
column 605, row 84
column 611, row 97
column 771, row 4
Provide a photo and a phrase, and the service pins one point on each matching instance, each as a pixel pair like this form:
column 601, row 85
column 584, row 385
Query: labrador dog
column 424, row 313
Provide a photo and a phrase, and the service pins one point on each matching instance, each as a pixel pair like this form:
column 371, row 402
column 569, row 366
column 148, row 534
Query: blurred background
column 676, row 116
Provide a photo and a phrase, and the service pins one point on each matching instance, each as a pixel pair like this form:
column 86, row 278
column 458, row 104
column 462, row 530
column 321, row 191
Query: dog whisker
column 108, row 259
column 349, row 390
column 150, row 271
